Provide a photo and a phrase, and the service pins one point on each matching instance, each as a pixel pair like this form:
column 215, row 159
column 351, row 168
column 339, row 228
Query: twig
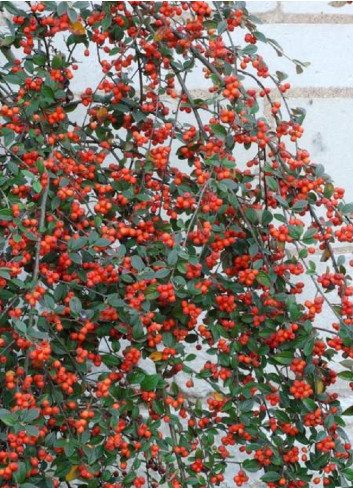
column 175, row 441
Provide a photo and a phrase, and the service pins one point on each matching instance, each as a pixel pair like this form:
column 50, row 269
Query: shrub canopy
column 156, row 240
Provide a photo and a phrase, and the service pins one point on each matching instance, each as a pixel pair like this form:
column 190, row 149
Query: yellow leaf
column 77, row 28
column 319, row 386
column 72, row 474
column 217, row 396
column 156, row 356
column 102, row 114
column 326, row 255
column 160, row 33
column 337, row 4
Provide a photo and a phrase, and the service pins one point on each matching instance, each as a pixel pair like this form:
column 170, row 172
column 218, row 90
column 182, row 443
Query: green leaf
column 284, row 357
column 249, row 50
column 49, row 302
column 76, row 258
column 281, row 201
column 8, row 418
column 221, row 27
column 310, row 404
column 12, row 9
column 263, row 279
column 252, row 216
column 75, row 305
column 162, row 273
column 253, row 249
column 308, row 237
column 48, row 92
column 299, row 115
column 5, row 272
column 58, row 59
column 39, row 59
column 72, row 14
column 115, row 300
column 137, row 263
column 172, row 257
column 219, row 131
column 102, row 242
column 110, row 360
column 281, row 76
column 272, row 184
column 347, row 209
column 308, row 347
column 346, row 375
column 37, row 186
column 270, row 477
column 137, row 330
column 191, row 338
column 6, row 214
column 320, row 461
column 150, row 382
column 348, row 363
column 251, row 465
column 329, row 190
column 348, row 473
column 76, row 244
column 121, row 251
column 29, row 415
column 62, row 8
column 151, row 293
column 230, row 183
column 20, row 326
column 20, row 474
column 294, row 311
column 260, row 36
column 299, row 205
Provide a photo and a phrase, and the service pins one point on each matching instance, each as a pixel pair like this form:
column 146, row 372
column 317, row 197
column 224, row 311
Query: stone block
column 323, row 45
column 326, row 129
column 260, row 7
column 316, row 8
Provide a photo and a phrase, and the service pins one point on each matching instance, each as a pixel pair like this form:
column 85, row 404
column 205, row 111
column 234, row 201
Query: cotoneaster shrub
column 143, row 225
